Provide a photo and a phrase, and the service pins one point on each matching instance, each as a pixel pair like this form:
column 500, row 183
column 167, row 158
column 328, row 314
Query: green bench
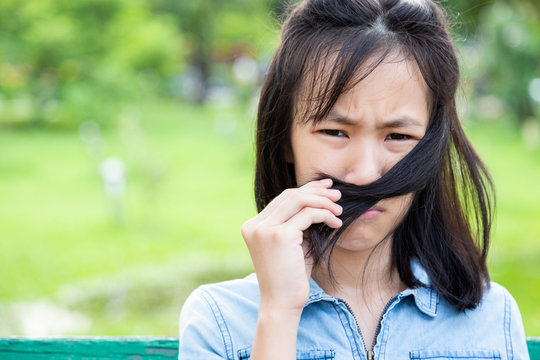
column 114, row 348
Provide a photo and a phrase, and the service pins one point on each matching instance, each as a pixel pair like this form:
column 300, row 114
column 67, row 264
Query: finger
column 318, row 183
column 309, row 216
column 320, row 188
column 298, row 201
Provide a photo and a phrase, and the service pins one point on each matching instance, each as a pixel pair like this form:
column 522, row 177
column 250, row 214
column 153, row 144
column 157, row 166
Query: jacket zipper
column 370, row 353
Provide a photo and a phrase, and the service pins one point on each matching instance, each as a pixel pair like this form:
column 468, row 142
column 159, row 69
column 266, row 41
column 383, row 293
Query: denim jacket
column 218, row 322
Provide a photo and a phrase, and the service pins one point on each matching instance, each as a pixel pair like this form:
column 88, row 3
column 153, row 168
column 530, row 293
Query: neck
column 360, row 274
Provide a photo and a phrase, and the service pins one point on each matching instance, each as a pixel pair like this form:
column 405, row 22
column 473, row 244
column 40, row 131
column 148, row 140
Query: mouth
column 372, row 213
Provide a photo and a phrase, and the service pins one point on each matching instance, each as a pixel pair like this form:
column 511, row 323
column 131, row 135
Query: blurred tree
column 68, row 61
column 466, row 15
column 508, row 45
column 194, row 18
column 219, row 30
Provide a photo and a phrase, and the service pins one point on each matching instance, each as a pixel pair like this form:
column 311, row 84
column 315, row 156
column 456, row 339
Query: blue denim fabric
column 218, row 322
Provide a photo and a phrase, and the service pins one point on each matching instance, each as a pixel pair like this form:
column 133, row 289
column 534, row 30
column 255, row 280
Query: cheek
column 393, row 156
column 399, row 205
column 310, row 160
column 311, row 168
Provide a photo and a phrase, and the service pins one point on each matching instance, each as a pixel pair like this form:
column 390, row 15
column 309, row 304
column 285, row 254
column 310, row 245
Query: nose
column 364, row 166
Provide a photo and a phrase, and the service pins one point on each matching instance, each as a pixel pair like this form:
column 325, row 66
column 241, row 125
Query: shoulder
column 495, row 300
column 245, row 289
column 216, row 318
column 496, row 294
column 496, row 307
column 222, row 302
column 495, row 323
column 231, row 295
column 498, row 298
column 237, row 294
column 498, row 303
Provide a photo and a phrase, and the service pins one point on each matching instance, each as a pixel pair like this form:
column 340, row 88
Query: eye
column 333, row 132
column 395, row 136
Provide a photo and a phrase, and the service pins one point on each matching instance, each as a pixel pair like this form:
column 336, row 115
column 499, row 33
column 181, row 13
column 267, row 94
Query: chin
column 356, row 244
column 360, row 236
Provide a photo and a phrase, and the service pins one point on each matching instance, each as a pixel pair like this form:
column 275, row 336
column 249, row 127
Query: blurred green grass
column 514, row 259
column 55, row 215
column 189, row 188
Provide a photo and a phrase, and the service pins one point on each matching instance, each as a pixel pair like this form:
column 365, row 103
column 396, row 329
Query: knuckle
column 288, row 192
column 295, row 196
column 330, row 215
column 246, row 228
column 279, row 235
column 272, row 236
column 275, row 234
column 321, row 214
column 323, row 192
column 259, row 231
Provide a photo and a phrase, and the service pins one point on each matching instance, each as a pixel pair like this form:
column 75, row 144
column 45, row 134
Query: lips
column 372, row 212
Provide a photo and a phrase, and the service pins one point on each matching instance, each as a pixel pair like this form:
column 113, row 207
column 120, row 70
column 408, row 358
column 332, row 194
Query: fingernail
column 326, row 181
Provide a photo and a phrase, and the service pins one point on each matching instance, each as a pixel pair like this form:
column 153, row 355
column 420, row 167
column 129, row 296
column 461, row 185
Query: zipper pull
column 370, row 355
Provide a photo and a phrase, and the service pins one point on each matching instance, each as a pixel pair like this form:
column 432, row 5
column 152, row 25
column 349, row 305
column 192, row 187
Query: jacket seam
column 225, row 334
column 342, row 314
column 507, row 324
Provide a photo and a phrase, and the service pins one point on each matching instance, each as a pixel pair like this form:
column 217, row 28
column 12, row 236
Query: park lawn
column 189, row 188
column 515, row 248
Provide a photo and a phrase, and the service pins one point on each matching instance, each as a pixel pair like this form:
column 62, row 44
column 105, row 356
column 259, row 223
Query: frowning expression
column 370, row 128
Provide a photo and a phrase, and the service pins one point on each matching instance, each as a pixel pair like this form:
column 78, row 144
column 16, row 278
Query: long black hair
column 328, row 46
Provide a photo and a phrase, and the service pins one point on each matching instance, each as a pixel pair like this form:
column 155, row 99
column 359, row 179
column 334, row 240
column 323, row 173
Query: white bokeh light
column 245, row 70
column 534, row 89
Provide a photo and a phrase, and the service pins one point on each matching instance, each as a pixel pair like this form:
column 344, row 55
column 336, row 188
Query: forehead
column 393, row 88
column 383, row 84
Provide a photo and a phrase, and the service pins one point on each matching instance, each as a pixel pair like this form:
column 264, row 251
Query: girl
column 374, row 209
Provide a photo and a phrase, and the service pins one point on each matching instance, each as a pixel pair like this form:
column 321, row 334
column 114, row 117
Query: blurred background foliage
column 127, row 152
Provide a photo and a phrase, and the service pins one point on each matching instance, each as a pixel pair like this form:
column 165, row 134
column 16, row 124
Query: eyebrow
column 399, row 122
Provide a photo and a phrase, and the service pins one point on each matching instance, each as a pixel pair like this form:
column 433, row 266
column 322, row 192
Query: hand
column 275, row 239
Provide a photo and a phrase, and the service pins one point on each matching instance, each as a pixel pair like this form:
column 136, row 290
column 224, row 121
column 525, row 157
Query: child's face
column 370, row 128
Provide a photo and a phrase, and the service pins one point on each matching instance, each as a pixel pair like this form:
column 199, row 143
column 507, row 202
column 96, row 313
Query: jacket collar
column 425, row 298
